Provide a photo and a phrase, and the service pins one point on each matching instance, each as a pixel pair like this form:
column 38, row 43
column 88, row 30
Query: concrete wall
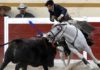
column 73, row 11
column 77, row 11
column 59, row 1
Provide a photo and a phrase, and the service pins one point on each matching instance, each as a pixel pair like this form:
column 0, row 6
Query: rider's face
column 50, row 7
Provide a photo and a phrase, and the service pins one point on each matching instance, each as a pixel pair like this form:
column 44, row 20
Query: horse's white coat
column 73, row 35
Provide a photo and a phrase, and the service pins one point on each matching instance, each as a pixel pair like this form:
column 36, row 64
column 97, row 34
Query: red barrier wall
column 1, row 38
column 96, row 38
column 27, row 31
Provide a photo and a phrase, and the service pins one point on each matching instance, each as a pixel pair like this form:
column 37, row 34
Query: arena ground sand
column 75, row 65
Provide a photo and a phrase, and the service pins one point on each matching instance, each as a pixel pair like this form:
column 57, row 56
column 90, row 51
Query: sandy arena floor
column 58, row 66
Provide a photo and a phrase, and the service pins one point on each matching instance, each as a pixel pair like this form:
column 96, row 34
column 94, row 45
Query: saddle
column 90, row 42
column 86, row 29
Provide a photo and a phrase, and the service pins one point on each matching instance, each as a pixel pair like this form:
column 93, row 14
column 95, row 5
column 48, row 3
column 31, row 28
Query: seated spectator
column 4, row 10
column 23, row 13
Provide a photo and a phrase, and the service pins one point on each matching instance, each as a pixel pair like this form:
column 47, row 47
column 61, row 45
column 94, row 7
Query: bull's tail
column 5, row 44
column 16, row 41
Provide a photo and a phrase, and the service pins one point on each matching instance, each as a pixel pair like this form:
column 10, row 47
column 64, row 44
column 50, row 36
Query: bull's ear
column 45, row 39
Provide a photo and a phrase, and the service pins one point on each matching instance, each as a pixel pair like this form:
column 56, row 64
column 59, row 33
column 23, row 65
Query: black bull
column 32, row 51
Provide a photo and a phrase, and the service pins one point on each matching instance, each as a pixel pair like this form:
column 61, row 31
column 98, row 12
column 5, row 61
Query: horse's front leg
column 62, row 55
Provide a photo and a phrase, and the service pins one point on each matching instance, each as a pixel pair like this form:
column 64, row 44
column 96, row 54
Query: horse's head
column 53, row 33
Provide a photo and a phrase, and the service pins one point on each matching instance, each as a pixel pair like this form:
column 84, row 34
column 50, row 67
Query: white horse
column 74, row 38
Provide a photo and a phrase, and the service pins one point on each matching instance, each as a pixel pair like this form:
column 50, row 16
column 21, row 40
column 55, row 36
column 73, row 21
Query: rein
column 53, row 42
column 58, row 32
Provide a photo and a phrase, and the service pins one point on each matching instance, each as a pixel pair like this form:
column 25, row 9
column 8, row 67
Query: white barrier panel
column 8, row 21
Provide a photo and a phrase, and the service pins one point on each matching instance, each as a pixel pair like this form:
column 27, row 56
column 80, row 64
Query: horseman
column 57, row 12
column 60, row 14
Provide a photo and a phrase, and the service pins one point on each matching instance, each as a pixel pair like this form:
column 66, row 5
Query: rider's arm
column 52, row 17
column 63, row 11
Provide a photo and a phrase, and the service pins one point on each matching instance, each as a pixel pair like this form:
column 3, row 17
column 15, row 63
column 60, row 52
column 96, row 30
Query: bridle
column 55, row 35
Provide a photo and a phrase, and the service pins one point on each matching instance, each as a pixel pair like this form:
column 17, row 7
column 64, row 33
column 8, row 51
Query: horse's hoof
column 98, row 65
column 90, row 66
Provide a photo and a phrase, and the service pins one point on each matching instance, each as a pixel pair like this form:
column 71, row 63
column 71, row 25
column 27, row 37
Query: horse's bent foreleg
column 89, row 51
column 69, row 58
column 61, row 54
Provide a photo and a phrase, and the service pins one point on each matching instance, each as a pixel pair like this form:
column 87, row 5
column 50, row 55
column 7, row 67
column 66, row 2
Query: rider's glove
column 60, row 17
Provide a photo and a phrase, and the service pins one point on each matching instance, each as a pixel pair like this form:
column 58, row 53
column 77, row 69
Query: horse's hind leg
column 89, row 51
column 79, row 55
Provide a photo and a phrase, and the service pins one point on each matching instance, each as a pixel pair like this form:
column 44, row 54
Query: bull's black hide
column 32, row 51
